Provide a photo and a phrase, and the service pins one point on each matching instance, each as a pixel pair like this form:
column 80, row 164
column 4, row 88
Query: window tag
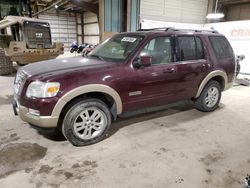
column 128, row 39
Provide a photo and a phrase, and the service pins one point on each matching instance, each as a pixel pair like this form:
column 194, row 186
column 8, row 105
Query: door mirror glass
column 142, row 61
column 146, row 61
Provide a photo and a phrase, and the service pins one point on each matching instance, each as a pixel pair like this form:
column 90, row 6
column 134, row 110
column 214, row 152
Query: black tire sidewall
column 201, row 104
column 74, row 111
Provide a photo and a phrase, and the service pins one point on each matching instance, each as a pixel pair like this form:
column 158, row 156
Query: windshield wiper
column 97, row 56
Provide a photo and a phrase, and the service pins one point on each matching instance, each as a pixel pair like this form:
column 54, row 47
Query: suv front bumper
column 40, row 121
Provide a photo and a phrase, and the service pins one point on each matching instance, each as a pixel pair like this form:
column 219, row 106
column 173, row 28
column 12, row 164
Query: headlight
column 38, row 89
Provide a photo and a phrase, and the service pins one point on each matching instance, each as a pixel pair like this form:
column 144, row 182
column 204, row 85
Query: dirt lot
column 176, row 148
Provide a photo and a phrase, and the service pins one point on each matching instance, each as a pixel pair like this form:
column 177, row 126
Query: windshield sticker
column 128, row 39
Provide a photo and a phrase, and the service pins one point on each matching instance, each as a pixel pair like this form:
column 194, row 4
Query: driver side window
column 160, row 49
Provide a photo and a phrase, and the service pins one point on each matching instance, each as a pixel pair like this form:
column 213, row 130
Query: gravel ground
column 177, row 148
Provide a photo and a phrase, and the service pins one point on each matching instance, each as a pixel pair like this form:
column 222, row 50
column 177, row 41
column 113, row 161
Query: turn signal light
column 52, row 89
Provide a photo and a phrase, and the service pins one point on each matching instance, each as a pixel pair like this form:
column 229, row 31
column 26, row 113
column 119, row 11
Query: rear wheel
column 6, row 65
column 87, row 122
column 210, row 97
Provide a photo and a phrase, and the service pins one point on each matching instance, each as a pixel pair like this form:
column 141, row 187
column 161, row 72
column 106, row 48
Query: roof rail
column 198, row 30
column 175, row 29
column 157, row 28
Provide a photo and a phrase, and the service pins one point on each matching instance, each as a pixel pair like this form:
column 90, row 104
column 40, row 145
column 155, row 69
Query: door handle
column 205, row 67
column 208, row 65
column 169, row 70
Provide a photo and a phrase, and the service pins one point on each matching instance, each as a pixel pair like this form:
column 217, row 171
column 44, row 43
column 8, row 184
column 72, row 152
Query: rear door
column 192, row 65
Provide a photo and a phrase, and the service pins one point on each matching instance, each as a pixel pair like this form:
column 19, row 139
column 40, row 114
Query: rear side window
column 221, row 47
column 190, row 48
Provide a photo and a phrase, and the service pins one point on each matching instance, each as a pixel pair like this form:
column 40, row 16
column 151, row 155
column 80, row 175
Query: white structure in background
column 148, row 24
column 184, row 11
column 63, row 27
column 237, row 32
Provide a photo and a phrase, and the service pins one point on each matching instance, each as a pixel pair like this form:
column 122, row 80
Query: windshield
column 117, row 48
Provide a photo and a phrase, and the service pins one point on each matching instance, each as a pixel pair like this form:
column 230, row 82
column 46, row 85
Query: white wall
column 91, row 27
column 184, row 11
column 147, row 24
column 63, row 27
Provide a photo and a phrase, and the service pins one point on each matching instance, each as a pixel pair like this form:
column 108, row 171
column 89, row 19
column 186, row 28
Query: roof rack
column 175, row 29
column 157, row 28
column 198, row 30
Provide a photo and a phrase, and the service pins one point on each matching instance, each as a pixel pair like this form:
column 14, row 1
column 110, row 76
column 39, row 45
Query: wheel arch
column 218, row 75
column 90, row 90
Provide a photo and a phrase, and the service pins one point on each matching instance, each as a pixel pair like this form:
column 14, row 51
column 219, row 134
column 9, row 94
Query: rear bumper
column 40, row 121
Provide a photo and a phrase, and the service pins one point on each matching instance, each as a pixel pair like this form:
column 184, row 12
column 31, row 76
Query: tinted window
column 190, row 48
column 187, row 48
column 221, row 46
column 160, row 49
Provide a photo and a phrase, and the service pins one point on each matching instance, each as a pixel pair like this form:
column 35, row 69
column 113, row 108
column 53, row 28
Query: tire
column 209, row 102
column 6, row 65
column 72, row 50
column 92, row 131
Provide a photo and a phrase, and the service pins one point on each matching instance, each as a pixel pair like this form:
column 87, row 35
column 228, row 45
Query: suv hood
column 61, row 64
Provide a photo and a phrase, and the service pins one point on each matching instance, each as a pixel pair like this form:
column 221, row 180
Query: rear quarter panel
column 225, row 64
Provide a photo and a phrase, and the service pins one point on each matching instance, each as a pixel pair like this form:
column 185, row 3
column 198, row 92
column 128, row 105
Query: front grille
column 19, row 82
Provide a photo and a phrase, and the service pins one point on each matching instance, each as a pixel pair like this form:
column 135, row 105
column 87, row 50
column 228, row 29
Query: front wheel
column 210, row 97
column 87, row 122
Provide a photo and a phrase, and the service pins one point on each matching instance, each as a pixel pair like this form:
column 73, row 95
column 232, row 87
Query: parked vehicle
column 74, row 47
column 88, row 48
column 25, row 40
column 128, row 74
column 82, row 47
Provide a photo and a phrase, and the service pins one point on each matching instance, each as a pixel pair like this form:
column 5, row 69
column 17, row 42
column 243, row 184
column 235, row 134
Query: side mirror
column 240, row 57
column 144, row 61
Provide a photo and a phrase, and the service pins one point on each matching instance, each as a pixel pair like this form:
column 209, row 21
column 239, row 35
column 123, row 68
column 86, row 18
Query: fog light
column 34, row 112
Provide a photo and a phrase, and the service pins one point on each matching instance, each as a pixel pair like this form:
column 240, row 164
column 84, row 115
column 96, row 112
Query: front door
column 154, row 85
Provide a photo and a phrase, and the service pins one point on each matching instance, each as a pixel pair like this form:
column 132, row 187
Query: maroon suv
column 127, row 74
